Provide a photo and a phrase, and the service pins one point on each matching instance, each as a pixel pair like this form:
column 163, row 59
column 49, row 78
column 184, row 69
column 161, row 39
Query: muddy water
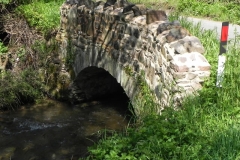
column 52, row 130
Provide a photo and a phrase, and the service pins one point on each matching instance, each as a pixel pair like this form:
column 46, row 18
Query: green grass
column 43, row 15
column 206, row 127
column 221, row 10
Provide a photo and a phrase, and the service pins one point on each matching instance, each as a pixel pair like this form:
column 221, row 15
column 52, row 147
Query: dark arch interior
column 96, row 84
column 4, row 37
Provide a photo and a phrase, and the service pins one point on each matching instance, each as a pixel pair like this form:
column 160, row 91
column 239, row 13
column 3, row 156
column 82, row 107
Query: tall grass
column 221, row 10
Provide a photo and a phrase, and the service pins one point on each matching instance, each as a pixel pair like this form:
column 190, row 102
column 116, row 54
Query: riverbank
column 29, row 53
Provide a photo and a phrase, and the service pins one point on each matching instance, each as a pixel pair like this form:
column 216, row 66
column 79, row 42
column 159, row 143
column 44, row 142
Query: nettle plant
column 5, row 1
column 3, row 49
column 3, row 57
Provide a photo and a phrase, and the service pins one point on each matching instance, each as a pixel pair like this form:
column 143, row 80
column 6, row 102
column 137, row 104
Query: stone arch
column 126, row 40
column 93, row 61
column 94, row 84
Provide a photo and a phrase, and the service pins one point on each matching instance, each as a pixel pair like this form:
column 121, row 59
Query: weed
column 3, row 49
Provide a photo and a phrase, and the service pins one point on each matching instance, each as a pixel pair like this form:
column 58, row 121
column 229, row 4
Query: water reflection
column 52, row 130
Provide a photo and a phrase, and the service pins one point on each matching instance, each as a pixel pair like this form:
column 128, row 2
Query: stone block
column 179, row 75
column 152, row 28
column 128, row 17
column 139, row 9
column 185, row 83
column 128, row 8
column 128, row 29
column 159, row 60
column 190, row 86
column 64, row 20
column 99, row 8
column 140, row 20
column 180, row 63
column 169, row 57
column 186, row 80
column 161, row 38
column 176, row 34
column 167, row 26
column 199, row 61
column 191, row 75
column 203, row 74
column 118, row 12
column 136, row 32
column 169, row 50
column 188, row 44
column 179, row 67
column 115, row 54
column 155, row 15
column 193, row 61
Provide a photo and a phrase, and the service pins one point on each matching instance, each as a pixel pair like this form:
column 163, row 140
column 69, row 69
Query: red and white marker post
column 222, row 56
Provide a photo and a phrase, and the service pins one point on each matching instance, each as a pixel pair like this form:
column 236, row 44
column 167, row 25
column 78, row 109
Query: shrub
column 15, row 90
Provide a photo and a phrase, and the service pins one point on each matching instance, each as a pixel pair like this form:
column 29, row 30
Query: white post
column 222, row 56
column 220, row 70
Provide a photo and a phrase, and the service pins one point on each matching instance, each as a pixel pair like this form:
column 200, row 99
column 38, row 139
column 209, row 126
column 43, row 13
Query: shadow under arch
column 97, row 84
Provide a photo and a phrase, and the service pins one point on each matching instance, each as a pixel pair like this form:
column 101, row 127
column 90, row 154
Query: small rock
column 156, row 15
column 139, row 9
column 176, row 34
column 167, row 26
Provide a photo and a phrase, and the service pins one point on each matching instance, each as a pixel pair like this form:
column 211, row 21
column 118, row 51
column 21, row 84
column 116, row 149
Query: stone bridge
column 131, row 42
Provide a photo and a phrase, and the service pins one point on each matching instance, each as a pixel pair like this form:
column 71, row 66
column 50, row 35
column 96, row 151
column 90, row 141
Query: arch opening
column 4, row 37
column 97, row 84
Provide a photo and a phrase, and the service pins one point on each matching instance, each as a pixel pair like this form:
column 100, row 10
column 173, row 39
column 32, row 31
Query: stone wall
column 126, row 39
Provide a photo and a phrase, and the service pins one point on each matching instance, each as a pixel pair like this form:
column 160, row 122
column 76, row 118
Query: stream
column 52, row 130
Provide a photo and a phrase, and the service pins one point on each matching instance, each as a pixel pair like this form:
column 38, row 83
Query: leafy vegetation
column 15, row 90
column 5, row 1
column 145, row 100
column 3, row 55
column 3, row 49
column 17, row 87
column 224, row 11
column 3, row 4
column 43, row 15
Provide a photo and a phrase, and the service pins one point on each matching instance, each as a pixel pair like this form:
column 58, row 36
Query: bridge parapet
column 127, row 39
